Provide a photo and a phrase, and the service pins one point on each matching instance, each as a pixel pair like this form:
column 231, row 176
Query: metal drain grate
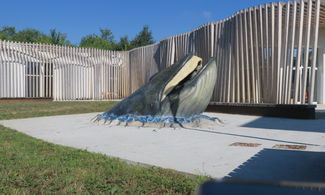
column 245, row 144
column 292, row 147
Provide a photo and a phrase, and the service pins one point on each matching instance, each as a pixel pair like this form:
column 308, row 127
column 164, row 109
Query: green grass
column 32, row 166
column 23, row 109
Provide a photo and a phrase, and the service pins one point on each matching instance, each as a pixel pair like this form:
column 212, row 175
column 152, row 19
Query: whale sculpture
column 179, row 93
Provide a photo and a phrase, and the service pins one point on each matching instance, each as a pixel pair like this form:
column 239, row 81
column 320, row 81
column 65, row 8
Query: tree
column 28, row 35
column 123, row 44
column 104, row 41
column 107, row 35
column 33, row 36
column 94, row 41
column 7, row 32
column 58, row 38
column 144, row 37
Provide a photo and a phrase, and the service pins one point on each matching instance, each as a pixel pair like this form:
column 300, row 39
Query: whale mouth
column 188, row 72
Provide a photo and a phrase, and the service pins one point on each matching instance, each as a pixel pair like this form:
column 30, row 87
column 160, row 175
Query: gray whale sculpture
column 184, row 89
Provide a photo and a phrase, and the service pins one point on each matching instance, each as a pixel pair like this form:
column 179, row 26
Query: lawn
column 26, row 109
column 32, row 166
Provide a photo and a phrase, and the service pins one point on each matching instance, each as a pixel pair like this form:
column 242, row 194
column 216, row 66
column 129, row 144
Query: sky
column 78, row 18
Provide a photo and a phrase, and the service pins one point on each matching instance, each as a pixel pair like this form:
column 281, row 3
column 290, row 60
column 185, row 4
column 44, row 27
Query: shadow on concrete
column 283, row 165
column 255, row 188
column 288, row 124
column 273, row 171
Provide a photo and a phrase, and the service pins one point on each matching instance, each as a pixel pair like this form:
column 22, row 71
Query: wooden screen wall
column 63, row 73
column 265, row 54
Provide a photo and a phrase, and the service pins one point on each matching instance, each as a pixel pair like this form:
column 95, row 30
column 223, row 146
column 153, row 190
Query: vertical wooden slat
column 63, row 51
column 267, row 56
column 22, row 69
column 251, row 52
column 45, row 71
column 2, row 69
column 299, row 53
column 87, row 80
column 272, row 52
column 262, row 56
column 80, row 76
column 227, row 64
column 242, row 68
column 63, row 79
column 74, row 73
column 256, row 56
column 2, row 73
column 37, row 71
column 285, row 64
column 51, row 56
column 314, row 59
column 16, row 63
column 223, row 62
column 12, row 69
column 237, row 17
column 217, row 53
column 306, row 56
column 56, row 74
column 33, row 70
column 291, row 55
column 41, row 70
column 54, row 57
column 6, row 70
column 233, row 60
column 279, row 52
column 85, row 73
column 248, row 81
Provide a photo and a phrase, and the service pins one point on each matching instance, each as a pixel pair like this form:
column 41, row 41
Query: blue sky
column 81, row 17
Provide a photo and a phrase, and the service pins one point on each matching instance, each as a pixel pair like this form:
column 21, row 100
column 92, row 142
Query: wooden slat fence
column 265, row 54
column 62, row 73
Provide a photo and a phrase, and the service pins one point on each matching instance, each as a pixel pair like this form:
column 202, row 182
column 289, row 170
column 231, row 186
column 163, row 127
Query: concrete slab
column 200, row 151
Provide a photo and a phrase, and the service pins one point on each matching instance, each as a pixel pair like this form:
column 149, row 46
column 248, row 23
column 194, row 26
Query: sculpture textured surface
column 177, row 94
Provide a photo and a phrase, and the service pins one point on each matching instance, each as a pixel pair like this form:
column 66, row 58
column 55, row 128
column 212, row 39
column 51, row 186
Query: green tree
column 107, row 35
column 28, row 35
column 123, row 44
column 144, row 37
column 58, row 38
column 104, row 41
column 93, row 41
column 33, row 36
column 7, row 32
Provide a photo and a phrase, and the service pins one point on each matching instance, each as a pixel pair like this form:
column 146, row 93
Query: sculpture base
column 157, row 121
